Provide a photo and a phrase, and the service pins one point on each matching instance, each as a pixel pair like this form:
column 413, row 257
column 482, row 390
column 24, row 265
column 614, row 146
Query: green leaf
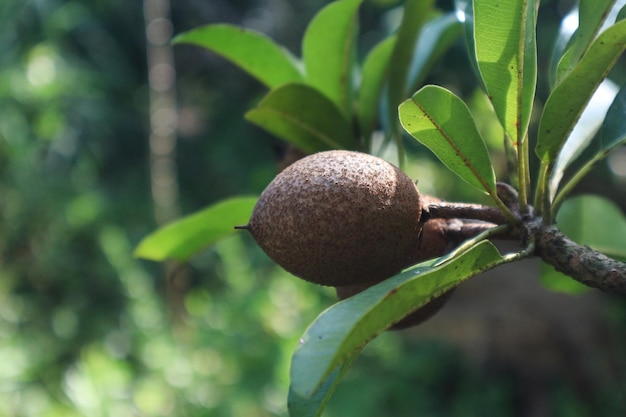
column 621, row 14
column 443, row 123
column 584, row 132
column 341, row 332
column 329, row 52
column 596, row 222
column 183, row 238
column 591, row 16
column 566, row 30
column 559, row 282
column 567, row 101
column 593, row 221
column 373, row 79
column 415, row 15
column 506, row 50
column 303, row 116
column 253, row 52
column 314, row 406
column 437, row 36
column 465, row 12
column 614, row 127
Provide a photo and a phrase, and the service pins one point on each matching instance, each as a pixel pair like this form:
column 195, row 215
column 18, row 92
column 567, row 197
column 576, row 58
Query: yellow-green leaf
column 183, row 238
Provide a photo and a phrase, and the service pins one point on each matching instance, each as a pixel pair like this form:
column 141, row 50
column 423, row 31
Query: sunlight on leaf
column 566, row 103
column 443, row 123
column 584, row 131
column 591, row 16
column 612, row 135
column 183, row 238
column 329, row 52
column 506, row 50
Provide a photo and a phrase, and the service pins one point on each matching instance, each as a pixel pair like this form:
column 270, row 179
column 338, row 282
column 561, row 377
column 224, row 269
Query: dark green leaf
column 566, row 103
column 442, row 122
column 437, row 36
column 183, row 238
column 566, row 30
column 506, row 50
column 373, row 78
column 614, row 127
column 621, row 14
column 341, row 332
column 303, row 116
column 253, row 52
column 415, row 14
column 465, row 13
column 329, row 52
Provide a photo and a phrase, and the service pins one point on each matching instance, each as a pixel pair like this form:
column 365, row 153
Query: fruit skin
column 434, row 243
column 339, row 218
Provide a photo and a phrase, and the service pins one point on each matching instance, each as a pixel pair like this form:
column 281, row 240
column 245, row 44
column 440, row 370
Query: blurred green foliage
column 86, row 329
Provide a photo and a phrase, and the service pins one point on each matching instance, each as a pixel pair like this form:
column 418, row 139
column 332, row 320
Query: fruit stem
column 446, row 210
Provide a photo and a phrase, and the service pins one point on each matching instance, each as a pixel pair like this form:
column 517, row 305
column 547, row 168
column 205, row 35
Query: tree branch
column 582, row 263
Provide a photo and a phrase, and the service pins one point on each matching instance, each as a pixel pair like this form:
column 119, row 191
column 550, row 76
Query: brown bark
column 582, row 263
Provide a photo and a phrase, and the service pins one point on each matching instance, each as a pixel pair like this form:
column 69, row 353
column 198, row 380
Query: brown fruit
column 433, row 244
column 339, row 218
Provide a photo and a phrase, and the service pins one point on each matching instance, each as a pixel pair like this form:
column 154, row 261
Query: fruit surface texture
column 434, row 243
column 339, row 218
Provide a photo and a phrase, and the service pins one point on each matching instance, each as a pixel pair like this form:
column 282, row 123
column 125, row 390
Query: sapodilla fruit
column 433, row 244
column 339, row 218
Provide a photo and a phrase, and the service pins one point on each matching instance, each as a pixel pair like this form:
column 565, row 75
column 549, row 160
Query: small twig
column 526, row 252
column 446, row 210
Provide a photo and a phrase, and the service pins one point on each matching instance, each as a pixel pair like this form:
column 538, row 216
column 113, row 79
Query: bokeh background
column 99, row 146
